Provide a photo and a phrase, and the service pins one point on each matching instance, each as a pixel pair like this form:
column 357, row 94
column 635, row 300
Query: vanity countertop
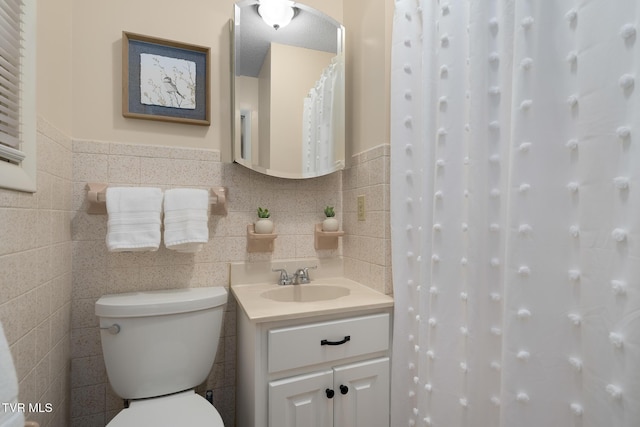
column 259, row 308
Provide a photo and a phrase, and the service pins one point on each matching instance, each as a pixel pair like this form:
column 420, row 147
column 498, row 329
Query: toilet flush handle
column 113, row 329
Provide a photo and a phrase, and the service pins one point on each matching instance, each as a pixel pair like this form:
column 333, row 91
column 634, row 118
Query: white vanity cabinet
column 320, row 371
column 355, row 395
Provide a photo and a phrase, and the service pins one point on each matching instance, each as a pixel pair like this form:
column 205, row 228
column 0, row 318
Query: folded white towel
column 8, row 387
column 186, row 216
column 134, row 218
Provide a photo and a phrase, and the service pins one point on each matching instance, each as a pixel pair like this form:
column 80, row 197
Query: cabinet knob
column 344, row 389
column 330, row 393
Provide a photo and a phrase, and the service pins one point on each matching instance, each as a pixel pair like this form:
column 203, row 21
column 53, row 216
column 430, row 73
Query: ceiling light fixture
column 276, row 13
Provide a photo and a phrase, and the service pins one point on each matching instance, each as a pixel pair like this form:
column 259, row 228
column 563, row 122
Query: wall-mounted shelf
column 259, row 242
column 326, row 239
column 97, row 197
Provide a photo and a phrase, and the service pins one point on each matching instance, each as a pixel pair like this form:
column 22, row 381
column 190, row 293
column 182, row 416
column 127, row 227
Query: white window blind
column 10, row 47
column 17, row 94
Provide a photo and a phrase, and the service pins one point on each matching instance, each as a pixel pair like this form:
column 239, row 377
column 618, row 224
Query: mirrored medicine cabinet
column 288, row 93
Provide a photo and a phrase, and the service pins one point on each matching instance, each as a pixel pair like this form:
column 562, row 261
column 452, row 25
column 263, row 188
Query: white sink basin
column 306, row 293
column 264, row 302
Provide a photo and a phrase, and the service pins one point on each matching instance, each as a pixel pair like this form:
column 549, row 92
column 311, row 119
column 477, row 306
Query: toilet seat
column 182, row 409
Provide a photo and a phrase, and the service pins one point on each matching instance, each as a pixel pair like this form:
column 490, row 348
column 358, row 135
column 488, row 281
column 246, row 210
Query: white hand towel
column 134, row 218
column 9, row 414
column 186, row 216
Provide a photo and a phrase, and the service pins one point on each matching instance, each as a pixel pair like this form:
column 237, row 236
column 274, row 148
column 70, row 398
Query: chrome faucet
column 285, row 279
column 300, row 277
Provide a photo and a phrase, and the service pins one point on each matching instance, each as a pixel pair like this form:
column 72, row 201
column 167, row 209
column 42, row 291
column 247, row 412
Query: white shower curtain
column 515, row 213
column 319, row 124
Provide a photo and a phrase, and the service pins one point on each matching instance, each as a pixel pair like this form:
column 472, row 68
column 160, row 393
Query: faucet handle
column 306, row 269
column 302, row 274
column 284, row 276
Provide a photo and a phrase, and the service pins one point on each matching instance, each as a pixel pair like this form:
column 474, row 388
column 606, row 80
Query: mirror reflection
column 288, row 89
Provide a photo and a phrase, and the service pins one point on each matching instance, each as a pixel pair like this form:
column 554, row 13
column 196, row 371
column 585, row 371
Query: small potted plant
column 330, row 223
column 263, row 225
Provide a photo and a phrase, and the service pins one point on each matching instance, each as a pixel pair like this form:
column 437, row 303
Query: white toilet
column 157, row 347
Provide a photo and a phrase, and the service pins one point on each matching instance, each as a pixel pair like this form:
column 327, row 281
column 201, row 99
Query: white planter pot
column 263, row 226
column 330, row 224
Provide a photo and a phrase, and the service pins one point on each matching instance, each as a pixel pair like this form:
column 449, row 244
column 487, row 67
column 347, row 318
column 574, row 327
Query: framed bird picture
column 165, row 80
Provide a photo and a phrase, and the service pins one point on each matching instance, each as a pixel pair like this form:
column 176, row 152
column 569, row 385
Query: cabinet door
column 362, row 394
column 301, row 401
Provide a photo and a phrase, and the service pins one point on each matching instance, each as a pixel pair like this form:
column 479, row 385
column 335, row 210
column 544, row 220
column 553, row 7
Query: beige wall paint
column 54, row 72
column 294, row 72
column 97, row 33
column 97, row 65
column 368, row 24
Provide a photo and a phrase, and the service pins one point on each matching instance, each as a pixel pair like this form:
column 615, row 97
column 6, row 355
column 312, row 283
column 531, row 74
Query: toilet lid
column 182, row 409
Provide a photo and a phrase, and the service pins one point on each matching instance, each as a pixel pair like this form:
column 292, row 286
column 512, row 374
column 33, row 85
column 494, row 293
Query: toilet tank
column 160, row 342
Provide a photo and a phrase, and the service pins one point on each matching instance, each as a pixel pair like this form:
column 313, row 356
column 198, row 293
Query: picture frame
column 165, row 80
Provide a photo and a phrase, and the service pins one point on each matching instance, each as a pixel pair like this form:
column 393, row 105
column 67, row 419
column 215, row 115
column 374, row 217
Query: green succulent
column 263, row 213
column 329, row 212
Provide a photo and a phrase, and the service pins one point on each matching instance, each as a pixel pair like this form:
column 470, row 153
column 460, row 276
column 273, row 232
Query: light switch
column 361, row 212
